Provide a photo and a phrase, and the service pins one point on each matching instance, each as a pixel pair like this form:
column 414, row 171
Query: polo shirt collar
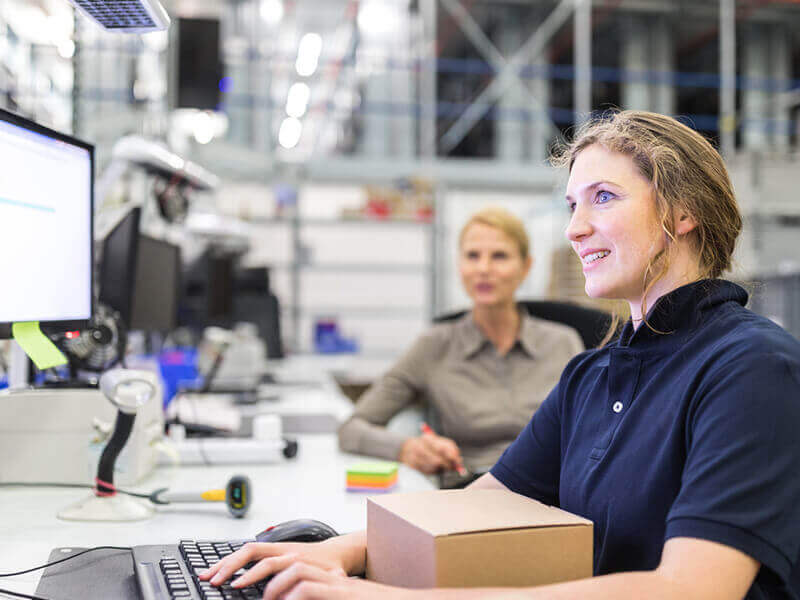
column 682, row 309
column 473, row 340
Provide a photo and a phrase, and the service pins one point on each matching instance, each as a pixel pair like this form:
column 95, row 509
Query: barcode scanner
column 237, row 495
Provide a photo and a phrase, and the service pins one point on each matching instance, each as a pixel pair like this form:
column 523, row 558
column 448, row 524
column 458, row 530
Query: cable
column 21, row 595
column 61, row 560
column 84, row 486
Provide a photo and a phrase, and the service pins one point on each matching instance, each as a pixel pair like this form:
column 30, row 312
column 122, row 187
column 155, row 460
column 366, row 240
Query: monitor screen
column 157, row 286
column 46, row 198
column 207, row 290
column 118, row 265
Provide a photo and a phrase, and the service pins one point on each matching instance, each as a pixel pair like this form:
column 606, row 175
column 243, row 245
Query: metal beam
column 349, row 16
column 582, row 59
column 475, row 173
column 489, row 51
column 427, row 91
column 727, row 87
column 529, row 51
column 789, row 99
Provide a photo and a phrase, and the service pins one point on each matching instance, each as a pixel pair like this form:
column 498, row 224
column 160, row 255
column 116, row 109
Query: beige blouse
column 481, row 400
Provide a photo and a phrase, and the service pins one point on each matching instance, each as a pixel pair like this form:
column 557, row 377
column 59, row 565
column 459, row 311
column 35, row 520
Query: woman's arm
column 690, row 569
column 486, row 482
column 365, row 432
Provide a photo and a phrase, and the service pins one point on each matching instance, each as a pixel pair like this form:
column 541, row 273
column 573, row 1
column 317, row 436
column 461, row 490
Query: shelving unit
column 327, row 267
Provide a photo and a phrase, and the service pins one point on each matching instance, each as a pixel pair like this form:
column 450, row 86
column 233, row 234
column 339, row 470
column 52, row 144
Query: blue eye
column 603, row 196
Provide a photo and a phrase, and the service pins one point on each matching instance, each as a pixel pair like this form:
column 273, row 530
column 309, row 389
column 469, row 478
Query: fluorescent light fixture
column 297, row 100
column 126, row 16
column 289, row 133
column 203, row 128
column 272, row 11
column 308, row 54
column 377, row 19
column 66, row 49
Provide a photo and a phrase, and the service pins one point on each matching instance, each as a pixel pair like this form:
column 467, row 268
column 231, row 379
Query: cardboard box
column 474, row 538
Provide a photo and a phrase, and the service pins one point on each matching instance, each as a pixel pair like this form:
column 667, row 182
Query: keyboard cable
column 50, row 564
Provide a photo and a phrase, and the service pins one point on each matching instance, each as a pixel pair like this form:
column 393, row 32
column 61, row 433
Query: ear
column 684, row 223
column 526, row 266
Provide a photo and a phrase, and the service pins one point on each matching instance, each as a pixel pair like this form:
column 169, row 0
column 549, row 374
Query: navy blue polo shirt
column 693, row 432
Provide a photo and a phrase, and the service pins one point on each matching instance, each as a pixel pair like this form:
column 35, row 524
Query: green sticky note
column 37, row 346
column 373, row 468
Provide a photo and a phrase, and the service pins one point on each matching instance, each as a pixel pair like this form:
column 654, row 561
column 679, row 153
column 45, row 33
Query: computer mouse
column 297, row 530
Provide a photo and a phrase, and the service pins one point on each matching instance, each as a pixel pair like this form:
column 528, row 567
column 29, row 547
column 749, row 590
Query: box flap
column 450, row 512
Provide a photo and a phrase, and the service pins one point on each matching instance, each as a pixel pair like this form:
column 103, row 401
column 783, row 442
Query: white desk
column 310, row 486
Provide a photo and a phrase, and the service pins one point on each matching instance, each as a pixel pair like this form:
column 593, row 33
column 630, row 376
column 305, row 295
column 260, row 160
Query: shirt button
column 617, row 407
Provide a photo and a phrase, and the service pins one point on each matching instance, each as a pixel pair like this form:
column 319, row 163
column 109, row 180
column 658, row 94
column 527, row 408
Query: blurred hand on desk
column 431, row 453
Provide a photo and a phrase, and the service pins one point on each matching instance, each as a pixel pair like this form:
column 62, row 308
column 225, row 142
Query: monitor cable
column 55, row 562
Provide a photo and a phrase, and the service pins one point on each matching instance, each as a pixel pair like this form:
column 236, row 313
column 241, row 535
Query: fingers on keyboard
column 265, row 568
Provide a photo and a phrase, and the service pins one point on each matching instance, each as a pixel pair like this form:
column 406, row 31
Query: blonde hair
column 505, row 221
column 686, row 173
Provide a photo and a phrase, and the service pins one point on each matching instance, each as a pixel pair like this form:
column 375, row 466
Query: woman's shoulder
column 440, row 335
column 741, row 333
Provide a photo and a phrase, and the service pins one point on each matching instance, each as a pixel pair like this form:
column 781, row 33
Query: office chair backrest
column 591, row 324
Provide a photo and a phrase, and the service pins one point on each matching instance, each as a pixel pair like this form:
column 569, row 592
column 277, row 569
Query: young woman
column 679, row 440
column 483, row 374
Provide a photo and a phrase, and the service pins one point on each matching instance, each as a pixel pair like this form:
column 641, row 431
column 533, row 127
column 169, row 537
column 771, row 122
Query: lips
column 484, row 287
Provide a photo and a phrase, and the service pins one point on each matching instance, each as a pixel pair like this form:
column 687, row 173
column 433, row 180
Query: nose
column 579, row 226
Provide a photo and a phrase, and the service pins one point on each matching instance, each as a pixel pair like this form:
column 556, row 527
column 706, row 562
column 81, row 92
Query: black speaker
column 199, row 64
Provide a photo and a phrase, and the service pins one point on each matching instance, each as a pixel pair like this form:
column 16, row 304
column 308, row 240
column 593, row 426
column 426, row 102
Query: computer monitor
column 208, row 288
column 221, row 269
column 156, row 286
column 254, row 302
column 46, row 206
column 118, row 265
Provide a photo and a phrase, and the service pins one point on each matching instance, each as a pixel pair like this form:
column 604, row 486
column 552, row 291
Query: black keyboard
column 169, row 572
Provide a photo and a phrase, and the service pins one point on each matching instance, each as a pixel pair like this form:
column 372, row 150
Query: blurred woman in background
column 483, row 374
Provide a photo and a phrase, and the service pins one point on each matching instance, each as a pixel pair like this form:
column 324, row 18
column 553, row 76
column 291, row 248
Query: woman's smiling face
column 614, row 227
column 491, row 265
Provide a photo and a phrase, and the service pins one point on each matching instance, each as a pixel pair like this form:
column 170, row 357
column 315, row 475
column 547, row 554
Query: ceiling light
column 289, row 133
column 272, row 11
column 297, row 99
column 66, row 49
column 308, row 54
column 376, row 18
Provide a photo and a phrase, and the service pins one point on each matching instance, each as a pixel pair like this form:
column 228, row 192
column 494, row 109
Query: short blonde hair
column 505, row 221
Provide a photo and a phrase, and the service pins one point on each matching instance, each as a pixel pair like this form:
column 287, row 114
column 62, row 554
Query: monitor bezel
column 71, row 324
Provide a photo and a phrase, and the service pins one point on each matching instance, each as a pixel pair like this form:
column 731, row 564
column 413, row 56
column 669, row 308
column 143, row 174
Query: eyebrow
column 596, row 184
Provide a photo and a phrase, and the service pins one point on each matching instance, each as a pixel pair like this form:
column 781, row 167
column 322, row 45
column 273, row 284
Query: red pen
column 426, row 429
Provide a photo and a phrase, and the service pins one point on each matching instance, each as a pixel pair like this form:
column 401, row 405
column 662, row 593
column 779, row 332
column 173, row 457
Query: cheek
column 512, row 274
column 634, row 240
